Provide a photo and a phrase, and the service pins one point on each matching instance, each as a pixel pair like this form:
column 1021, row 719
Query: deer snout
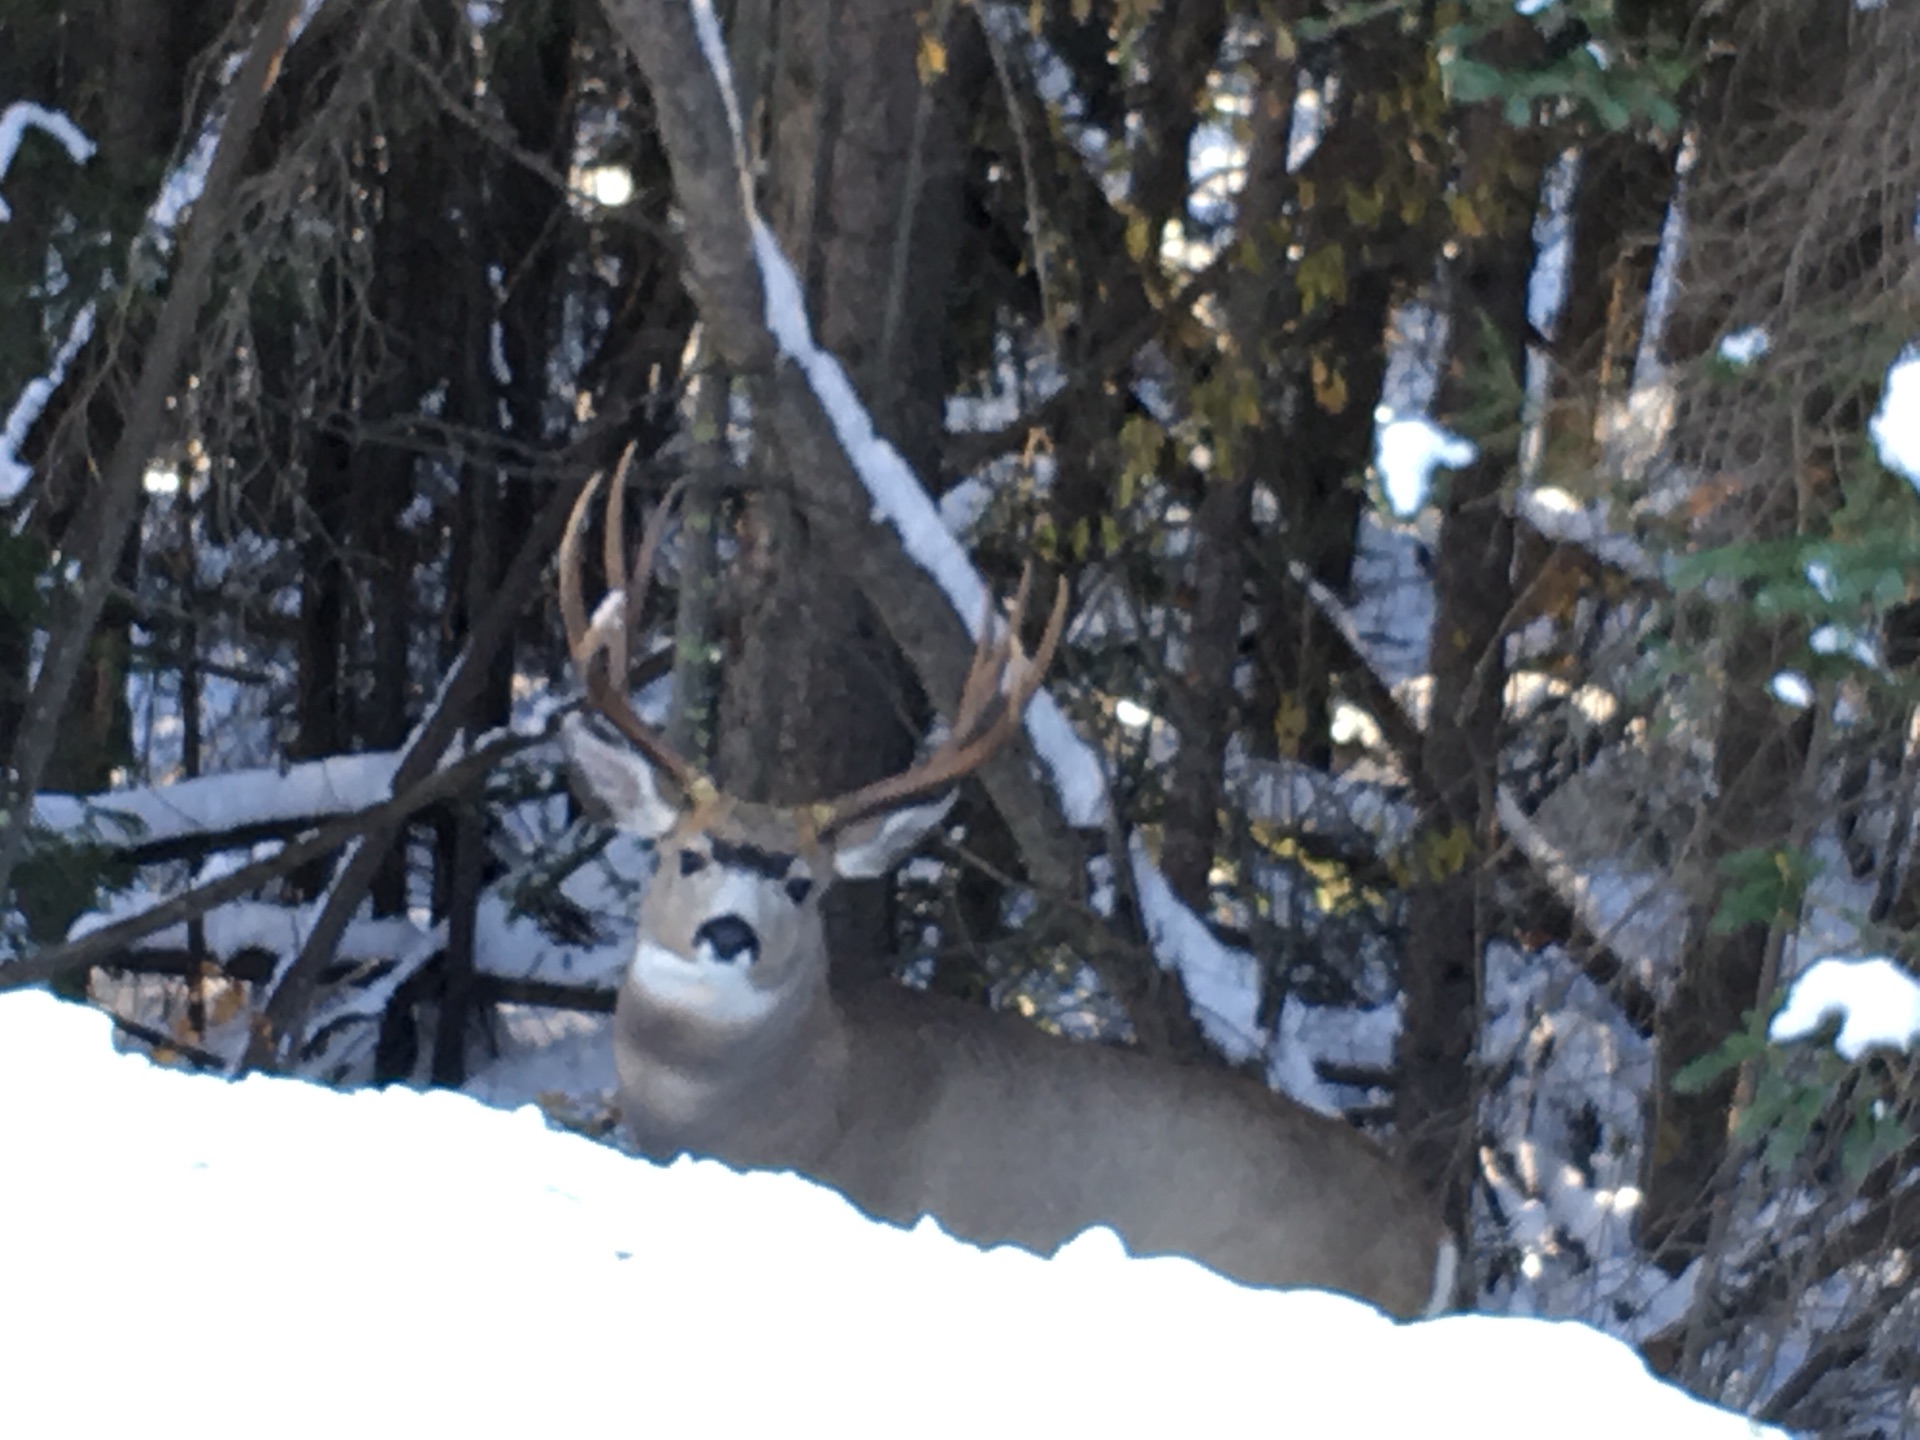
column 727, row 938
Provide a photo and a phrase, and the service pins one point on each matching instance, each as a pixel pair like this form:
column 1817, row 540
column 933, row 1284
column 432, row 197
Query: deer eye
column 692, row 862
column 798, row 888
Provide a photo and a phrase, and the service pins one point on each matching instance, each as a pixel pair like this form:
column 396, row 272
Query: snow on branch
column 15, row 121
column 14, row 473
column 24, row 115
column 1873, row 1002
column 240, row 926
column 96, row 945
column 902, row 501
column 1227, row 978
column 432, row 737
column 214, row 805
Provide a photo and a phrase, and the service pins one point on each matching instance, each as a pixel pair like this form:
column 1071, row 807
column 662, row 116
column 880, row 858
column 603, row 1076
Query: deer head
column 729, row 925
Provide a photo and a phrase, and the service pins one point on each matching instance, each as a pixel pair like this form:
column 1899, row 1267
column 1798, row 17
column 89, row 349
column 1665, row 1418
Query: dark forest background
column 1126, row 283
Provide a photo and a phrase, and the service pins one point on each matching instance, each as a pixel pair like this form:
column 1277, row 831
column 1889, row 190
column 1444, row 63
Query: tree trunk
column 863, row 190
column 1760, row 752
column 1449, row 901
column 1761, row 250
column 1205, row 709
column 1331, row 367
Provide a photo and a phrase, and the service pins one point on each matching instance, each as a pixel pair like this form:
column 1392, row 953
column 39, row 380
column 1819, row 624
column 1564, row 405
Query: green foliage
column 1762, row 886
column 1437, row 854
column 64, row 874
column 1226, row 407
column 1812, row 579
column 1702, row 1072
column 1873, row 1133
column 1588, row 70
column 1490, row 396
column 1142, row 440
column 1805, row 1097
column 1846, row 578
column 1322, row 278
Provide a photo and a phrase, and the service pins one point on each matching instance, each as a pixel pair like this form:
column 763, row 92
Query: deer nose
column 727, row 938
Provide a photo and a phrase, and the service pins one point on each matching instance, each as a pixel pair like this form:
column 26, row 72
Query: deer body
column 730, row 1043
column 913, row 1105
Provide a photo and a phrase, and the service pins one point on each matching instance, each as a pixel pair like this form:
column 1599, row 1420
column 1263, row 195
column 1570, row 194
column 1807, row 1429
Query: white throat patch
column 710, row 989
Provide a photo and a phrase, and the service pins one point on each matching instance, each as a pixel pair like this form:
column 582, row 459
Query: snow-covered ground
column 186, row 1255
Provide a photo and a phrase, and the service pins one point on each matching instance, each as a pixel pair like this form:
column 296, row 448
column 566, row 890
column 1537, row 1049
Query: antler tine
column 992, row 659
column 1000, row 681
column 984, row 671
column 613, row 560
column 599, row 646
column 1037, row 663
column 573, row 610
column 1026, row 671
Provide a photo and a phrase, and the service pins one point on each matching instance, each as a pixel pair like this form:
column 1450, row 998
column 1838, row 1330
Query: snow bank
column 184, row 1255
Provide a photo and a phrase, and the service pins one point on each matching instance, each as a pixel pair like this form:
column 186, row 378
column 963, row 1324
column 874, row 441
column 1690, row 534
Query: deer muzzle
column 727, row 939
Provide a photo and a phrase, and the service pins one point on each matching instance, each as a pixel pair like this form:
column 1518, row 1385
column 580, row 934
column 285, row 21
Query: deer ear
column 870, row 848
column 619, row 779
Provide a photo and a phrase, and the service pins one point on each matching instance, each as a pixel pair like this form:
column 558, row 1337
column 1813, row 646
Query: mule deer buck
column 730, row 1043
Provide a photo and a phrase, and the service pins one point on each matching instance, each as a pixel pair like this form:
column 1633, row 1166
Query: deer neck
column 762, row 1093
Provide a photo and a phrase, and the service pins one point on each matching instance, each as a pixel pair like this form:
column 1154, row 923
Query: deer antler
column 599, row 647
column 1000, row 681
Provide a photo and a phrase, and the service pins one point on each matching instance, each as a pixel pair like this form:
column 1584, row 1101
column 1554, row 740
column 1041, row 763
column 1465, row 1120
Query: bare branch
column 95, row 946
column 278, row 1034
column 118, row 492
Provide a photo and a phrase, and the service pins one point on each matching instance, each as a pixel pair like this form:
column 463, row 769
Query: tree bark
column 1205, row 707
column 862, row 182
column 1449, row 902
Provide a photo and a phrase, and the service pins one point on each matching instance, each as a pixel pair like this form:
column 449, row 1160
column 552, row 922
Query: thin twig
column 1050, row 308
column 278, row 1033
column 888, row 372
column 160, row 1040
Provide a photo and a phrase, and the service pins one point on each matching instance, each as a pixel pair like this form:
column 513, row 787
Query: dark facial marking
column 729, row 938
column 798, row 889
column 741, row 856
column 692, row 862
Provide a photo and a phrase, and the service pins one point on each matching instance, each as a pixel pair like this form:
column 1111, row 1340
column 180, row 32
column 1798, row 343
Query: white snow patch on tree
column 214, row 804
column 1895, row 426
column 1877, row 1002
column 22, row 116
column 900, row 500
column 14, row 472
column 1408, row 451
